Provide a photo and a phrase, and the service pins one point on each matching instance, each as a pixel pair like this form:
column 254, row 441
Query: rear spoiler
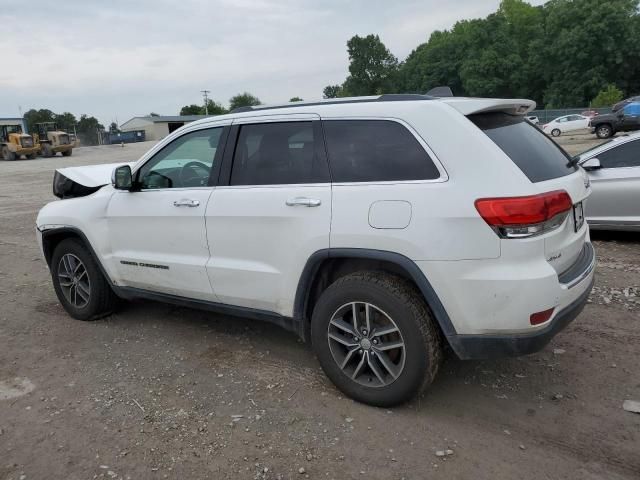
column 469, row 106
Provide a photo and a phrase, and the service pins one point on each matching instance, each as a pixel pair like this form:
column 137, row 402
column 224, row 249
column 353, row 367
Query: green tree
column 89, row 129
column 113, row 128
column 215, row 108
column 154, row 114
column 590, row 44
column 296, row 99
column 243, row 100
column 332, row 91
column 607, row 97
column 560, row 54
column 372, row 67
column 34, row 116
column 66, row 121
column 192, row 109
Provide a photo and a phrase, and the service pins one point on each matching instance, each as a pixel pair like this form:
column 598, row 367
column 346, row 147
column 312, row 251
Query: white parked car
column 380, row 229
column 533, row 119
column 565, row 124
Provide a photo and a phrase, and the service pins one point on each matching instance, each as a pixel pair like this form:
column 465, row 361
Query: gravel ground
column 156, row 391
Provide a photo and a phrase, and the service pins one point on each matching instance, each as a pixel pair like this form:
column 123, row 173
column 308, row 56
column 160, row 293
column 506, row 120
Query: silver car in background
column 614, row 171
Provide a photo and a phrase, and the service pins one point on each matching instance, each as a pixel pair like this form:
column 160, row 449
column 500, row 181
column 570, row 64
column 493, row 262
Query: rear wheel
column 8, row 154
column 556, row 132
column 375, row 338
column 604, row 131
column 31, row 156
column 67, row 153
column 79, row 284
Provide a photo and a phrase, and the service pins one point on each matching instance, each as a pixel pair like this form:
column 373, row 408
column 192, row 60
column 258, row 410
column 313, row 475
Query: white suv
column 380, row 229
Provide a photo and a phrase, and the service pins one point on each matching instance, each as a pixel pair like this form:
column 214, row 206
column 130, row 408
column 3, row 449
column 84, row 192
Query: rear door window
column 538, row 156
column 375, row 150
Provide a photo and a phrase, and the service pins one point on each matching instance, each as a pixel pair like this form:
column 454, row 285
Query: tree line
column 565, row 53
column 245, row 99
column 87, row 127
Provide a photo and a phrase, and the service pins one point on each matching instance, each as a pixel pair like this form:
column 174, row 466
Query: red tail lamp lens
column 510, row 211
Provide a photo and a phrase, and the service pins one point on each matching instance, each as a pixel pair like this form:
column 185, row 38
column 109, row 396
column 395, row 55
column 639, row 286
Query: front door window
column 184, row 163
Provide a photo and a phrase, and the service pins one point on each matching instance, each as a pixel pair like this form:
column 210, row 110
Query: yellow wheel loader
column 51, row 140
column 14, row 143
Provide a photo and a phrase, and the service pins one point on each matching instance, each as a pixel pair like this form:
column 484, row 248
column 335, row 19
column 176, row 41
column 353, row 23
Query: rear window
column 532, row 151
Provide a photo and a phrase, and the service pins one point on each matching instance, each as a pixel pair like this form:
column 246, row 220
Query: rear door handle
column 303, row 202
column 186, row 203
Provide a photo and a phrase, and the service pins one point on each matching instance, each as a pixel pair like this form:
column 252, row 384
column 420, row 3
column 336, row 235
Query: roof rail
column 387, row 97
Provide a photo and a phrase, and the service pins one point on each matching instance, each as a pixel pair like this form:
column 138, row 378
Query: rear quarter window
column 539, row 157
column 375, row 150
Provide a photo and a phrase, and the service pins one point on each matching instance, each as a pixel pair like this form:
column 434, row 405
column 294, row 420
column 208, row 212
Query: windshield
column 539, row 157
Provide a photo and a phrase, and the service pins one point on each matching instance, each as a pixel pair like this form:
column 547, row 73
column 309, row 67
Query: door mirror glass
column 592, row 164
column 121, row 178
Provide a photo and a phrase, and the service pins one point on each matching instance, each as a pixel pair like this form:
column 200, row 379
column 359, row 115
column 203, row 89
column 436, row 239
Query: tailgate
column 564, row 245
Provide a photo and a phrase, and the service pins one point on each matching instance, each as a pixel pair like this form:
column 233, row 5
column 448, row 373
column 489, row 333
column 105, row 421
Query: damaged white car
column 381, row 229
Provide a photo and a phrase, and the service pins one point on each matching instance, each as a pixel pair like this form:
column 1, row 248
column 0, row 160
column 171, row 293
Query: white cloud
column 118, row 59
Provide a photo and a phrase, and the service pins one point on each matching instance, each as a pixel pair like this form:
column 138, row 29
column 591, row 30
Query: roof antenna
column 440, row 92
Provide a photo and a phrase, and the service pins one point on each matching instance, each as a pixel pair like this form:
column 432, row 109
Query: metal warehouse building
column 158, row 127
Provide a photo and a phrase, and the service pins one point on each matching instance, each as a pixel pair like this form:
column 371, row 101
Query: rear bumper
column 489, row 302
column 480, row 347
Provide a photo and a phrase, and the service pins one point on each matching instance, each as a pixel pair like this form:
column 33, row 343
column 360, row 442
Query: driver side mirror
column 121, row 178
column 592, row 164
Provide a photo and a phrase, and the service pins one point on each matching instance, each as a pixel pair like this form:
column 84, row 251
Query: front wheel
column 604, row 131
column 67, row 153
column 375, row 338
column 8, row 154
column 556, row 132
column 79, row 284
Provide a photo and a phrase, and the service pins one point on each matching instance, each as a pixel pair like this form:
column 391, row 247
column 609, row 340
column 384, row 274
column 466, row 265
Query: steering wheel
column 194, row 174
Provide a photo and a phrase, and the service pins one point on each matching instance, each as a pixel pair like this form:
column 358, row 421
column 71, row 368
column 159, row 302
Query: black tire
column 8, row 154
column 402, row 303
column 67, row 153
column 555, row 132
column 101, row 299
column 47, row 151
column 604, row 131
column 31, row 156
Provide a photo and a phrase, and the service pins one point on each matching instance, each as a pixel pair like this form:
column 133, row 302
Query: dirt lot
column 156, row 391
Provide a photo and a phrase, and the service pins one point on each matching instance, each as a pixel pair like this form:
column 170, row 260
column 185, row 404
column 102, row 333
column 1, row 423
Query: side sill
column 130, row 293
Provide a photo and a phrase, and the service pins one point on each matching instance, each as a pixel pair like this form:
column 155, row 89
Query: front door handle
column 186, row 203
column 303, row 202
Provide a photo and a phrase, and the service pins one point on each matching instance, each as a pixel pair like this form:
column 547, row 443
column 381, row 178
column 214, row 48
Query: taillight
column 521, row 217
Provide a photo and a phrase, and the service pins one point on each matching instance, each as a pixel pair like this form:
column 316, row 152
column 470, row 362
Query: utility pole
column 205, row 94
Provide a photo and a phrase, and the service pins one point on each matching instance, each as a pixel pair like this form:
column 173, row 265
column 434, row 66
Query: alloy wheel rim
column 74, row 280
column 366, row 344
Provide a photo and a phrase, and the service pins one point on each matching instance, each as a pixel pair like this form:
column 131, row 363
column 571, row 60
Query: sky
column 115, row 59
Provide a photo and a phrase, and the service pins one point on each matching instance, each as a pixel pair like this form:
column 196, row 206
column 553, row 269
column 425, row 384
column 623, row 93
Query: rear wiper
column 573, row 162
